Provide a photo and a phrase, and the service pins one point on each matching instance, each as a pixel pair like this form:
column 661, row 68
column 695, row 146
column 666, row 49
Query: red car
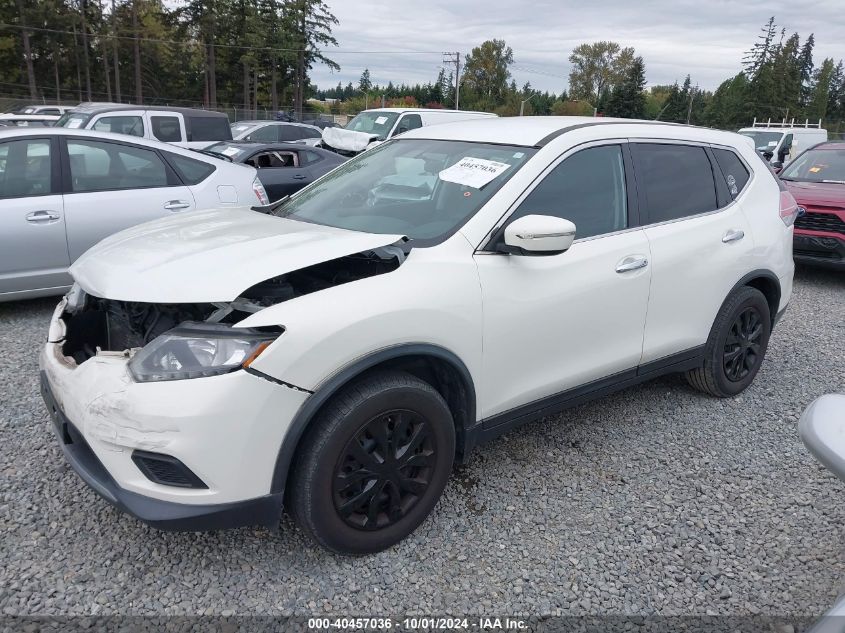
column 816, row 179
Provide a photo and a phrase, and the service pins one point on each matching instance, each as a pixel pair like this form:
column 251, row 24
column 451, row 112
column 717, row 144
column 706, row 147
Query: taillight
column 788, row 208
column 260, row 193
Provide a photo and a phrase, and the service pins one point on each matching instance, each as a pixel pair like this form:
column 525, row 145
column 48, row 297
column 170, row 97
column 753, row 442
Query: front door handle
column 632, row 262
column 733, row 235
column 42, row 217
column 299, row 177
column 176, row 205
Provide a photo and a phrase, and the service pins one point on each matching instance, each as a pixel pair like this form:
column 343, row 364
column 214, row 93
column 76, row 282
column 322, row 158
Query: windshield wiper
column 835, row 182
column 270, row 209
column 212, row 154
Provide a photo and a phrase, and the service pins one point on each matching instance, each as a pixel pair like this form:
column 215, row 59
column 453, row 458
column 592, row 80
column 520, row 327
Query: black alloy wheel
column 743, row 344
column 373, row 463
column 384, row 470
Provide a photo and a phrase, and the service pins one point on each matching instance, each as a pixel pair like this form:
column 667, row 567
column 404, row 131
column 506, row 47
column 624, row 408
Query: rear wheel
column 737, row 344
column 373, row 464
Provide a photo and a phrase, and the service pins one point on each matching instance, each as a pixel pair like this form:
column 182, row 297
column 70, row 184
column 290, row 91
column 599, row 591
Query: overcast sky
column 705, row 38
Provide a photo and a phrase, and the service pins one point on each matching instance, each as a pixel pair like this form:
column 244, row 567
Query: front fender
column 433, row 298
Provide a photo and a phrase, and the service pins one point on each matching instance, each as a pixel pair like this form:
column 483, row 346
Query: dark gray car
column 283, row 168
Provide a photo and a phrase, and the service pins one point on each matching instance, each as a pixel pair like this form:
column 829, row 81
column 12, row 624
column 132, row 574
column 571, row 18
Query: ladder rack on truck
column 786, row 124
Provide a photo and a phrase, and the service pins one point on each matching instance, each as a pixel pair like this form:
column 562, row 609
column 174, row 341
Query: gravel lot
column 654, row 501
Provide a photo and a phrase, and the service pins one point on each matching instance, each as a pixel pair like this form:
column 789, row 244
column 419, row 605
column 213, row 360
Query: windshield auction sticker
column 473, row 172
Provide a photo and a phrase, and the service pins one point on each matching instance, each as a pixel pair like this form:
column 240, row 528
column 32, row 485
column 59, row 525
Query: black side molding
column 497, row 425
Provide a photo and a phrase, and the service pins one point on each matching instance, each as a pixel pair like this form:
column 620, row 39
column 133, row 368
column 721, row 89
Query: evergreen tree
column 627, row 99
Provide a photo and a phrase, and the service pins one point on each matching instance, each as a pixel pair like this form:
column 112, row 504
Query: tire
column 736, row 346
column 373, row 464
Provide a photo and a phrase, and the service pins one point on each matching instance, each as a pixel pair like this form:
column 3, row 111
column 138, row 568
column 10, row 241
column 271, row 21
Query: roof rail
column 784, row 123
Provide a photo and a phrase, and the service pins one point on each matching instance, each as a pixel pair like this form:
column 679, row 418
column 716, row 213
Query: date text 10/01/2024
column 421, row 622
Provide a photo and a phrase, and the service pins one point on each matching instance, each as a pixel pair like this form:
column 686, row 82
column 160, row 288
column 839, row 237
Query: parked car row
column 63, row 190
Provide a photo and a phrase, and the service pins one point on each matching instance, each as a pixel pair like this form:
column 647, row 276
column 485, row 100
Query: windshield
column 226, row 149
column 817, row 165
column 240, row 129
column 763, row 141
column 374, row 123
column 424, row 189
column 73, row 120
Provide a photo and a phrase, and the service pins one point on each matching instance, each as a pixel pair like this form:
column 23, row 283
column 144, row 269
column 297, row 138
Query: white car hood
column 347, row 140
column 210, row 256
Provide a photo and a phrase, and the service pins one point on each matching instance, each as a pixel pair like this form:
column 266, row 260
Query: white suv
column 343, row 348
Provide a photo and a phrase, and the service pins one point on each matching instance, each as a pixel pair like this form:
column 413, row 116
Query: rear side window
column 309, row 157
column 588, row 189
column 677, row 180
column 209, row 128
column 132, row 125
column 166, row 128
column 191, row 171
column 735, row 173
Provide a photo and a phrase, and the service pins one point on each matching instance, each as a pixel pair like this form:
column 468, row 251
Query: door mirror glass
column 539, row 235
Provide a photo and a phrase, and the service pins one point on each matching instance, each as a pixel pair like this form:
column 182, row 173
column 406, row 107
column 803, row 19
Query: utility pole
column 691, row 98
column 455, row 58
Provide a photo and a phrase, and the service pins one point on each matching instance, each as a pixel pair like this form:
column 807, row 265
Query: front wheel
column 373, row 464
column 736, row 346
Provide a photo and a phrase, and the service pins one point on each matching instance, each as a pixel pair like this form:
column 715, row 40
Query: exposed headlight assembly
column 197, row 350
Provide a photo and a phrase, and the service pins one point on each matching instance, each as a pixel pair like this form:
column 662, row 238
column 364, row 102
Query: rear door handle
column 42, row 217
column 176, row 205
column 632, row 262
column 299, row 177
column 733, row 235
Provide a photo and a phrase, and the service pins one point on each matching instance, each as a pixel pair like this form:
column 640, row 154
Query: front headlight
column 196, row 350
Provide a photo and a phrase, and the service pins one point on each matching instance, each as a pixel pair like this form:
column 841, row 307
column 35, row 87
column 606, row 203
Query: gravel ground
column 657, row 500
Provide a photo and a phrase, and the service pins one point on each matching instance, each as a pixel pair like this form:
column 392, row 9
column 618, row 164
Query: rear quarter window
column 208, row 128
column 192, row 172
column 733, row 170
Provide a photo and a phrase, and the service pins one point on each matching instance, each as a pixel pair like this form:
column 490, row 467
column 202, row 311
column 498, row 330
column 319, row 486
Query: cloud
column 403, row 40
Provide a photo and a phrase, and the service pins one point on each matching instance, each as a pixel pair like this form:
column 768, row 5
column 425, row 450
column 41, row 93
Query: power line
column 236, row 46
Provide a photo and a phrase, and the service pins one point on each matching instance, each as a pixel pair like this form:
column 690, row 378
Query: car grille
column 814, row 221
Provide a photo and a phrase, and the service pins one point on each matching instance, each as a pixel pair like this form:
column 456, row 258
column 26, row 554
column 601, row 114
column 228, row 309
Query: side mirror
column 777, row 166
column 539, row 235
column 822, row 429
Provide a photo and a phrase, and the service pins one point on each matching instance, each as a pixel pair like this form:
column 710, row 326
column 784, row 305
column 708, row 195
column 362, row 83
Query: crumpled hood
column 210, row 256
column 347, row 140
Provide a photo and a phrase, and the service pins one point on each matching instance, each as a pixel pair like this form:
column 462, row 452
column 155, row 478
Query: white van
column 781, row 142
column 371, row 127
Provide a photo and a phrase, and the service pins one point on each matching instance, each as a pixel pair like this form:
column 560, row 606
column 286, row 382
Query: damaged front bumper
column 226, row 430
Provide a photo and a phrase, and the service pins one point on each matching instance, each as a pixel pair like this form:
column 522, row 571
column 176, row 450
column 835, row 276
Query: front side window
column 291, row 133
column 677, row 180
column 423, row 189
column 379, row 123
column 166, row 128
column 99, row 166
column 588, row 189
column 817, row 165
column 132, row 125
column 735, row 173
column 25, row 168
